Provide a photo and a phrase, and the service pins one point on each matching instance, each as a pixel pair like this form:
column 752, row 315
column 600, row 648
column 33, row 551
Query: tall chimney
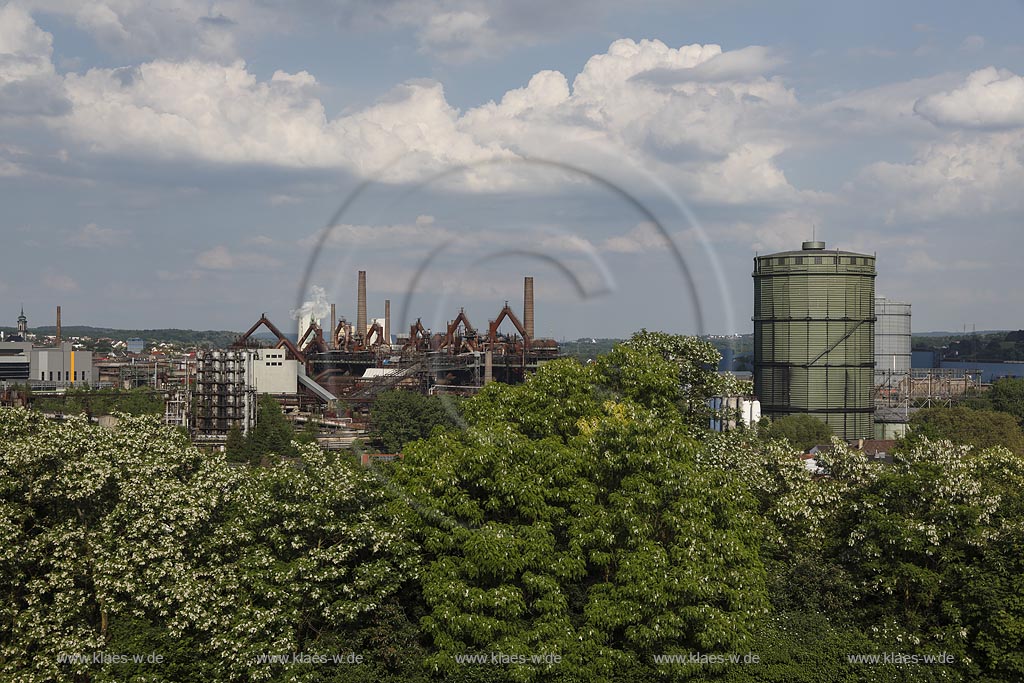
column 58, row 326
column 334, row 326
column 528, row 306
column 387, row 321
column 361, row 307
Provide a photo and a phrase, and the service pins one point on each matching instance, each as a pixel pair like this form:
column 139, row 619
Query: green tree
column 928, row 543
column 237, row 446
column 92, row 402
column 964, row 426
column 1007, row 395
column 573, row 516
column 273, row 434
column 309, row 433
column 398, row 417
column 99, row 526
column 801, row 431
column 132, row 541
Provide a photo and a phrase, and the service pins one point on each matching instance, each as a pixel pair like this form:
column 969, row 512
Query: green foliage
column 237, row 447
column 965, row 426
column 131, row 541
column 273, row 436
column 399, row 417
column 992, row 347
column 273, row 433
column 927, row 544
column 309, row 432
column 801, row 431
column 573, row 516
column 587, row 513
column 216, row 339
column 1007, row 396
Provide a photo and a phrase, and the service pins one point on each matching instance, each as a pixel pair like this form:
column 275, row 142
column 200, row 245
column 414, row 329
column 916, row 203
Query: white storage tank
column 892, row 341
column 732, row 411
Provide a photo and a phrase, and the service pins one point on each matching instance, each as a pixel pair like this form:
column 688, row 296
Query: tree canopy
column 587, row 517
column 801, row 431
column 398, row 417
column 131, row 541
column 969, row 427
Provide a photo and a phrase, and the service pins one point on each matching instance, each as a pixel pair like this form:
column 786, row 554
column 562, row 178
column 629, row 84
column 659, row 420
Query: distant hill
column 212, row 338
column 959, row 333
column 982, row 347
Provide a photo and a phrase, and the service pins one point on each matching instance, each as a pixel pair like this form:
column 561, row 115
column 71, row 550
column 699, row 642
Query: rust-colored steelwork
column 312, row 343
column 283, row 341
column 419, row 338
column 457, row 359
column 341, row 337
column 506, row 312
column 375, row 337
column 454, row 342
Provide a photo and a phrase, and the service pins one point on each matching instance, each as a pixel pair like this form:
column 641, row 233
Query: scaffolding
column 223, row 399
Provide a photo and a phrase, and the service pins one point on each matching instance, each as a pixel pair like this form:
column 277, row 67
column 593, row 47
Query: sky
column 194, row 164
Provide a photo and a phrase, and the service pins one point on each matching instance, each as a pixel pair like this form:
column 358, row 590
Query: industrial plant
column 824, row 345
column 350, row 364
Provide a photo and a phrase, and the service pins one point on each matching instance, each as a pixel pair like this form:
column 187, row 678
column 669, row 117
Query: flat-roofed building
column 61, row 366
column 15, row 361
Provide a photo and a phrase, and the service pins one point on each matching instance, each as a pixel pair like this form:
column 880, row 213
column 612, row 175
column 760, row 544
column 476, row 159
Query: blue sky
column 173, row 163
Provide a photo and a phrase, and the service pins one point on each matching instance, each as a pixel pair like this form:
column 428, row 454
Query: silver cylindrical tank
column 892, row 341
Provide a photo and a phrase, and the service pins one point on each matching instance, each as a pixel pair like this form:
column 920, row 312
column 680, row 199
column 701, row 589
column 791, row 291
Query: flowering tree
column 932, row 544
column 130, row 541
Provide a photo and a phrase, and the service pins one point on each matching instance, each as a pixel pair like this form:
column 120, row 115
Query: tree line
column 586, row 517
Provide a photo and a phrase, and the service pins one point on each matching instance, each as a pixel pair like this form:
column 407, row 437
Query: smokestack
column 58, row 326
column 387, row 321
column 361, row 306
column 528, row 306
column 488, row 367
column 334, row 326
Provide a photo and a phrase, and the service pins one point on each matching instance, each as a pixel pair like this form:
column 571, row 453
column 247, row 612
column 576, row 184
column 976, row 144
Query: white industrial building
column 270, row 372
column 63, row 366
column 892, row 341
column 228, row 382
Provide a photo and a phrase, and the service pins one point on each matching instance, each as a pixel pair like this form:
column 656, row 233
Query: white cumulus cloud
column 990, row 98
column 29, row 84
column 716, row 141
